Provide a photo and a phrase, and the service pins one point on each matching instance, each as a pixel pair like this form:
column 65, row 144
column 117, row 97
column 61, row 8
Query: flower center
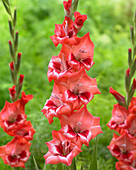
column 77, row 129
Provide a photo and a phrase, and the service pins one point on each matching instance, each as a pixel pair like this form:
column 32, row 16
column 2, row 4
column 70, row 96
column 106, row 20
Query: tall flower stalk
column 123, row 121
column 73, row 89
column 13, row 119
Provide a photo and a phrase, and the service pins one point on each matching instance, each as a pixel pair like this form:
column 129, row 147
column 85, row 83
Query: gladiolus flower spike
column 13, row 119
column 123, row 120
column 73, row 89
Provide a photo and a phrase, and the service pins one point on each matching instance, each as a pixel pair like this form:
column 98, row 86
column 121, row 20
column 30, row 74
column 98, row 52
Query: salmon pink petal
column 84, row 49
column 52, row 159
column 124, row 166
column 16, row 152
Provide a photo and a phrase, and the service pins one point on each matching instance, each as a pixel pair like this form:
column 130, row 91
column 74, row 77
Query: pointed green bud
column 6, row 5
column 133, row 69
column 11, row 50
column 127, row 80
column 16, row 41
column 10, row 28
column 129, row 57
column 18, row 62
column 132, row 35
column 11, row 65
column 7, row 1
column 15, row 17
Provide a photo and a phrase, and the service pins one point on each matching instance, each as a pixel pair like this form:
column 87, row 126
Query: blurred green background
column 109, row 26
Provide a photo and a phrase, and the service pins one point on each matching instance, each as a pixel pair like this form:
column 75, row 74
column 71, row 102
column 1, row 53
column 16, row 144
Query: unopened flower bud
column 67, row 7
column 134, row 84
column 12, row 92
column 21, row 78
column 18, row 62
column 11, row 66
column 6, row 5
column 10, row 28
column 127, row 80
column 118, row 96
column 128, row 72
column 19, row 56
column 133, row 68
column 15, row 17
column 132, row 35
column 11, row 49
column 16, row 41
column 20, row 83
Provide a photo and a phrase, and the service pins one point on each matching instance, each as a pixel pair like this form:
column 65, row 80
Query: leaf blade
column 93, row 164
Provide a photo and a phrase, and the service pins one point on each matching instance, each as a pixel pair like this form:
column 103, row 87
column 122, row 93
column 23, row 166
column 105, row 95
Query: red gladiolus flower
column 118, row 120
column 16, row 152
column 65, row 33
column 61, row 150
column 13, row 115
column 58, row 67
column 118, row 96
column 78, row 89
column 26, row 131
column 79, row 20
column 123, row 148
column 80, row 55
column 80, row 126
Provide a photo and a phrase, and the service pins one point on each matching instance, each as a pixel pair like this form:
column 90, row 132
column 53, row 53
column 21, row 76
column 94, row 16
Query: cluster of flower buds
column 123, row 121
column 12, row 117
column 73, row 90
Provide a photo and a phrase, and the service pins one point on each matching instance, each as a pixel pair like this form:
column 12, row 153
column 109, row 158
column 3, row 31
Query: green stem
column 5, row 167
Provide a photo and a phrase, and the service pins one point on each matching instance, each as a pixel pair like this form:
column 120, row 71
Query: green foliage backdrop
column 108, row 23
